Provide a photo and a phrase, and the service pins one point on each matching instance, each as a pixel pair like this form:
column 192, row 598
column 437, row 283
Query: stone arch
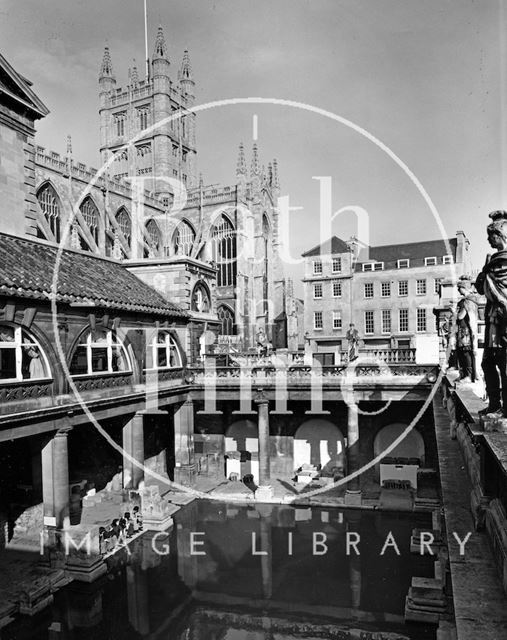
column 319, row 442
column 224, row 250
column 227, row 319
column 183, row 238
column 242, row 435
column 125, row 223
column 200, row 300
column 412, row 446
column 153, row 239
column 91, row 216
column 50, row 204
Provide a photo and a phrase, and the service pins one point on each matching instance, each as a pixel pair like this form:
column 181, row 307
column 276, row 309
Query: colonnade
column 55, row 465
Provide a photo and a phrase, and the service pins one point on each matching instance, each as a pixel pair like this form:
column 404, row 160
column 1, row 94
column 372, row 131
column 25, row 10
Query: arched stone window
column 154, row 239
column 223, row 241
column 184, row 239
column 123, row 219
column 144, row 159
column 200, row 300
column 90, row 215
column 125, row 224
column 121, row 164
column 226, row 317
column 164, row 352
column 99, row 351
column 21, row 357
column 49, row 203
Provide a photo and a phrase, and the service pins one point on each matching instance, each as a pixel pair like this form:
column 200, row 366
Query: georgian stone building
column 389, row 297
column 213, row 249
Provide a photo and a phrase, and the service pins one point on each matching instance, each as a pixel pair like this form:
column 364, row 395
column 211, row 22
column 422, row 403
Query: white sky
column 427, row 77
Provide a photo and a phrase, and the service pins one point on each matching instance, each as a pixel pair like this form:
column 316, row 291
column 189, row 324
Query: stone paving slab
column 480, row 603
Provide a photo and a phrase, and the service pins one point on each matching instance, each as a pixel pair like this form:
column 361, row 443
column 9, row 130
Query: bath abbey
column 211, row 249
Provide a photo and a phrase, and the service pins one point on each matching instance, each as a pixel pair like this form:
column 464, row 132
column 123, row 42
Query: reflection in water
column 257, row 577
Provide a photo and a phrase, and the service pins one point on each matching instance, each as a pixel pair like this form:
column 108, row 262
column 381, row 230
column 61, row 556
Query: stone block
column 353, row 499
column 264, row 493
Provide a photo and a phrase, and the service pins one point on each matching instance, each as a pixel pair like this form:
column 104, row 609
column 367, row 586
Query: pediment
column 16, row 88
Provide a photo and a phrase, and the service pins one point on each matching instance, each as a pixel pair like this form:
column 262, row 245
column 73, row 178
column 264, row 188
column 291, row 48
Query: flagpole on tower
column 146, row 41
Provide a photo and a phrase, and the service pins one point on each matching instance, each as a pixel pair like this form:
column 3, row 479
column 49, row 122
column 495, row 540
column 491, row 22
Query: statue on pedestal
column 492, row 282
column 353, row 340
column 262, row 343
column 466, row 331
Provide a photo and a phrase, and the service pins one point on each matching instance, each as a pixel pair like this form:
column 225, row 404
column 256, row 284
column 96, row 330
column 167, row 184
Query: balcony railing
column 368, row 372
column 402, row 356
column 28, row 395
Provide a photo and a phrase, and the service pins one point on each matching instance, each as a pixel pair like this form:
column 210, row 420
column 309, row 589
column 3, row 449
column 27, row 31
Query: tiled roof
column 27, row 267
column 389, row 254
column 335, row 245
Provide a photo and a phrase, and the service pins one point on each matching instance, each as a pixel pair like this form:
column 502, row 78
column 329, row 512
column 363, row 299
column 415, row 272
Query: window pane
column 99, row 338
column 6, row 334
column 99, row 359
column 32, row 365
column 162, row 356
column 79, row 364
column 118, row 360
column 7, row 363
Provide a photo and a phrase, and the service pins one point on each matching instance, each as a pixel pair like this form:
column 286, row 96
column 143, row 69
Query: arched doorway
column 319, row 442
column 412, row 445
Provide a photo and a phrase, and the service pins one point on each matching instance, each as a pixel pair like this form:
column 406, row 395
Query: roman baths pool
column 255, row 572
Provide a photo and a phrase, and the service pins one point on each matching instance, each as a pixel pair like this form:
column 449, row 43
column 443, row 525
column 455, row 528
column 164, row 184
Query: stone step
column 427, row 598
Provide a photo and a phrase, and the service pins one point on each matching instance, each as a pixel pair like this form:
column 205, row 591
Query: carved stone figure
column 492, row 282
column 353, row 340
column 466, row 330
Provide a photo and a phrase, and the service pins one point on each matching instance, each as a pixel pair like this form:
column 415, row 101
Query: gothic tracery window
column 142, row 113
column 119, row 121
column 50, row 207
column 184, row 239
column 223, row 241
column 123, row 220
column 153, row 239
column 90, row 215
column 121, row 164
column 226, row 317
column 144, row 159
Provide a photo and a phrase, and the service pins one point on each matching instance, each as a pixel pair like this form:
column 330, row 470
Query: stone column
column 55, row 480
column 185, row 467
column 133, row 445
column 263, row 428
column 353, row 493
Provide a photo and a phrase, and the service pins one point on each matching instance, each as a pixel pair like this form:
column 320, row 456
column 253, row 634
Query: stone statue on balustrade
column 353, row 342
column 466, row 330
column 492, row 282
